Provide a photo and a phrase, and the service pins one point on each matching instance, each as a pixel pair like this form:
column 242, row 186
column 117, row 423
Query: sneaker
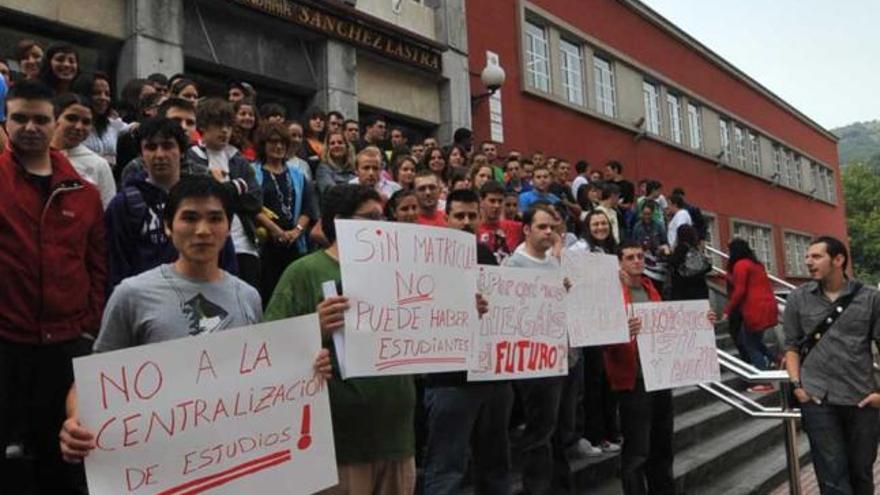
column 583, row 448
column 610, row 446
column 760, row 389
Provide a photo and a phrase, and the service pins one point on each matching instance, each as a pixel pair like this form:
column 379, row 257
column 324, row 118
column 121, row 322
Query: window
column 604, row 81
column 537, row 57
column 830, row 186
column 739, row 141
column 794, row 164
column 695, row 123
column 777, row 163
column 795, row 251
column 818, row 181
column 652, row 107
column 725, row 139
column 572, row 72
column 755, row 154
column 674, row 106
column 761, row 241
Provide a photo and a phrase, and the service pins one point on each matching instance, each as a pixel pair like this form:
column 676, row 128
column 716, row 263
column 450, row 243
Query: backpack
column 695, row 264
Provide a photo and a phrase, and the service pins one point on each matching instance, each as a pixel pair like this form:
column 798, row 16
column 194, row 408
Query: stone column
column 455, row 90
column 155, row 39
column 335, row 72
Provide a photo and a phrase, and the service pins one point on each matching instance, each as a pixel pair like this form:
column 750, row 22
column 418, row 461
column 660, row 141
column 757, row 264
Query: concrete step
column 695, row 425
column 687, row 398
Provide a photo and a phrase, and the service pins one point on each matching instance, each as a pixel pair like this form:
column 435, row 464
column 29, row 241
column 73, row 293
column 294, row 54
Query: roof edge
column 657, row 19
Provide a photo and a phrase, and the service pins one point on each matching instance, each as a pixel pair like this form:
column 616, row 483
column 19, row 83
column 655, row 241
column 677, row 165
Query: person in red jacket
column 52, row 267
column 646, row 418
column 751, row 294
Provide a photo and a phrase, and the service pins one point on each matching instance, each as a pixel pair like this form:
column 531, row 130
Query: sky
column 821, row 56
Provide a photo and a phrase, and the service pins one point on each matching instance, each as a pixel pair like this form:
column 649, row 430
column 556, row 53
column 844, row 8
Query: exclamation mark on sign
column 305, row 438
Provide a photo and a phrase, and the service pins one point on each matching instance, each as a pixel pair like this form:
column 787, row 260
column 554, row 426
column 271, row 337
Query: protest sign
column 595, row 312
column 411, row 293
column 523, row 335
column 676, row 344
column 238, row 411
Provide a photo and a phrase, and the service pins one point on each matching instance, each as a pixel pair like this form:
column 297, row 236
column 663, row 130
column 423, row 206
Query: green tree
column 861, row 185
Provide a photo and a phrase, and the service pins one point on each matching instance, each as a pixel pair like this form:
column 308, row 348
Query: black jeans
column 600, row 402
column 843, row 445
column 646, row 419
column 34, row 381
column 541, row 398
column 475, row 415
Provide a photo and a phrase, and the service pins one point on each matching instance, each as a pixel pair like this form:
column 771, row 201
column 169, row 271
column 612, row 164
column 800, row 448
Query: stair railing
column 754, row 409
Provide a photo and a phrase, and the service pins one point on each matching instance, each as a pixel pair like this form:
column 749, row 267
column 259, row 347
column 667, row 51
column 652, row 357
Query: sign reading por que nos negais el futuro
column 351, row 31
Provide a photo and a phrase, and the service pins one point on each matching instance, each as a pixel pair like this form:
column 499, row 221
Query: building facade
column 405, row 59
column 613, row 80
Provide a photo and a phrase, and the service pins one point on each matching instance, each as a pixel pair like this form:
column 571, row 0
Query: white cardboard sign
column 676, row 344
column 411, row 289
column 523, row 335
column 595, row 311
column 233, row 412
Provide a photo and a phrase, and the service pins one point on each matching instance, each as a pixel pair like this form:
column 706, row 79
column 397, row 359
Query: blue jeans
column 843, row 445
column 476, row 415
column 753, row 345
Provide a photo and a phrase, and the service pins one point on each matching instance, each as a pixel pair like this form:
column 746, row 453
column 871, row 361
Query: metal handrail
column 754, row 409
column 773, row 278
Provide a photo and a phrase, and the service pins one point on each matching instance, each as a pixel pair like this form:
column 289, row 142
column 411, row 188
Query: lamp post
column 492, row 77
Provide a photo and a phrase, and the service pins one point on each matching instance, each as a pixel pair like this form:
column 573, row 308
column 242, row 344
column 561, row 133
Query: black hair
column 652, row 185
column 461, row 196
column 609, row 245
column 64, row 100
column 649, row 204
column 85, row 86
column 462, row 134
column 29, row 90
column 196, row 186
column 350, row 121
column 371, row 120
column 180, row 84
column 273, row 110
column 46, row 74
column 491, row 187
column 677, row 200
column 687, row 236
column 739, row 249
column 529, row 215
column 615, row 165
column 608, row 189
column 395, row 200
column 581, row 166
column 175, row 102
column 245, row 88
column 130, row 97
column 214, row 111
column 163, row 128
column 334, row 113
column 628, row 244
column 342, row 201
column 158, row 78
column 678, row 191
column 834, row 247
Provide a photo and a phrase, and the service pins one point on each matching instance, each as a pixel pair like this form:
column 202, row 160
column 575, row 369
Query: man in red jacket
column 646, row 418
column 52, row 264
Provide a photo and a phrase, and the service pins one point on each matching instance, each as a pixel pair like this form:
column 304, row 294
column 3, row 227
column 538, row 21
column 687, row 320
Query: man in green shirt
column 372, row 417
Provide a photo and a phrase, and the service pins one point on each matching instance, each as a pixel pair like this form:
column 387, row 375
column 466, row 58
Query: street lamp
column 492, row 77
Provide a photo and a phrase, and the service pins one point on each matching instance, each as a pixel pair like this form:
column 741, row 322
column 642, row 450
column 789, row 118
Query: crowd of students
column 168, row 213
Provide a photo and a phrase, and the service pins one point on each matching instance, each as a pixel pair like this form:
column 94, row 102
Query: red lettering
column 137, row 381
column 262, row 356
column 205, row 365
column 98, row 443
column 128, row 430
column 144, row 477
column 104, row 379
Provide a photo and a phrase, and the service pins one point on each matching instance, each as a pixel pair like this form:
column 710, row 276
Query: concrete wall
column 411, row 16
column 397, row 90
column 105, row 17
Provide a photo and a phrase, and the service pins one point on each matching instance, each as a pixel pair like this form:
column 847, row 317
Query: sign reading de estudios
column 351, row 31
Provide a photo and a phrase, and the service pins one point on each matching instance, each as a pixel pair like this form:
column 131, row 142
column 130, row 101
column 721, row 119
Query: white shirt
column 682, row 217
column 243, row 244
column 576, row 184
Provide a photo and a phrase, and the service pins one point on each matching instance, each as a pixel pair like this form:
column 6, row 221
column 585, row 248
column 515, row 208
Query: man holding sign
column 646, row 418
column 205, row 298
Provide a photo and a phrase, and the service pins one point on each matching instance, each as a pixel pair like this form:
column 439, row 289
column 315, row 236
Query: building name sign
column 349, row 31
